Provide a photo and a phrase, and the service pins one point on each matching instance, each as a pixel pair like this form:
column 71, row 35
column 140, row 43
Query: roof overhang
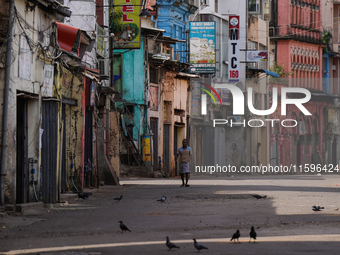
column 73, row 40
column 51, row 6
column 264, row 71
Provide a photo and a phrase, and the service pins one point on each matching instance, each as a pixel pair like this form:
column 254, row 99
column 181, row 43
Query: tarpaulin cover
column 66, row 36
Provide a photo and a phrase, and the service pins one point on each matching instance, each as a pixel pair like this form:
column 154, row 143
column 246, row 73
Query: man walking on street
column 184, row 159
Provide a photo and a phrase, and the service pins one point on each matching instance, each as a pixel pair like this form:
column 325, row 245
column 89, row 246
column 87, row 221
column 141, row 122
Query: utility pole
column 5, row 109
column 110, row 46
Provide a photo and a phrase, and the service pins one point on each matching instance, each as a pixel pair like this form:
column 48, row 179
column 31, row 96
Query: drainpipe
column 6, row 91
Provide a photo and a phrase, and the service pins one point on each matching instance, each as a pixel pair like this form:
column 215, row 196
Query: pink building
column 296, row 37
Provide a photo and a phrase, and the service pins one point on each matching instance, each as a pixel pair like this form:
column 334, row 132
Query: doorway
column 298, row 152
column 166, row 148
column 22, row 180
column 154, row 130
column 49, row 151
column 88, row 150
column 64, row 155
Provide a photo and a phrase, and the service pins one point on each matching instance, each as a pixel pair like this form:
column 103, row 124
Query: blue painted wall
column 132, row 82
column 325, row 74
column 174, row 19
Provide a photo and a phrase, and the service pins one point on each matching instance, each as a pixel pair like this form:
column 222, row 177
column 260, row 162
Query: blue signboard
column 202, row 47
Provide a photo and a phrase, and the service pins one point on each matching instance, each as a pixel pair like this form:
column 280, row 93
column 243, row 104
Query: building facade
column 296, row 35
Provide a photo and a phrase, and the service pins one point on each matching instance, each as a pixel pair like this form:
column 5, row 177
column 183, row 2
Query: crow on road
column 252, row 234
column 235, row 236
column 259, row 197
column 123, row 227
column 199, row 246
column 170, row 244
column 317, row 208
column 118, row 198
column 83, row 195
column 163, row 198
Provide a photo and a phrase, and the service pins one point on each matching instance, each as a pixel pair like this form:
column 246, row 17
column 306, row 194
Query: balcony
column 305, row 4
column 296, row 32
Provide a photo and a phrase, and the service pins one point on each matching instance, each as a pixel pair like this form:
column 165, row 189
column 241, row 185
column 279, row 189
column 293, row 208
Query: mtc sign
column 233, row 49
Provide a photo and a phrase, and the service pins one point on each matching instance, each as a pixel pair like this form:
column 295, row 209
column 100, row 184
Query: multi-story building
column 43, row 150
column 330, row 81
column 239, row 145
column 296, row 37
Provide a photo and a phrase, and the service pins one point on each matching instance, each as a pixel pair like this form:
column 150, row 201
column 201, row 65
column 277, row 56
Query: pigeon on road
column 259, row 197
column 123, row 227
column 163, row 198
column 83, row 195
column 199, row 246
column 170, row 244
column 252, row 234
column 235, row 236
column 317, row 208
column 118, row 198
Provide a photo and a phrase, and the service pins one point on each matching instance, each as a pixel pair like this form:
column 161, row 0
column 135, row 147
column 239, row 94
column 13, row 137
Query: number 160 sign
column 233, row 49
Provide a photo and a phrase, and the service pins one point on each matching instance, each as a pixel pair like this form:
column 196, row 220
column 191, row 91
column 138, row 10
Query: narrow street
column 210, row 210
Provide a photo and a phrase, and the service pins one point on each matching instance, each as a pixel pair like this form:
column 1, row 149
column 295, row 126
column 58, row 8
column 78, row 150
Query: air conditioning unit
column 204, row 2
column 103, row 66
column 336, row 102
column 157, row 49
column 235, row 119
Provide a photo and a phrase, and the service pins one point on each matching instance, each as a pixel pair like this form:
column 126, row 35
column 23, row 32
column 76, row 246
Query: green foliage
column 326, row 38
column 279, row 69
column 115, row 18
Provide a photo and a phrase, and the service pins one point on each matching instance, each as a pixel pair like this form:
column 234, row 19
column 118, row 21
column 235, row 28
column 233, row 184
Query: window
column 205, row 2
column 216, row 5
column 311, row 20
column 154, row 75
column 254, row 6
column 266, row 11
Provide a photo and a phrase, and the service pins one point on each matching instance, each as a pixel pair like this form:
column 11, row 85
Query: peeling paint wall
column 74, row 124
column 173, row 92
column 40, row 21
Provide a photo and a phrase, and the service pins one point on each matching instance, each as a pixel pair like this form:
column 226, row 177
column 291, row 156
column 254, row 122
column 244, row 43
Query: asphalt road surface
column 210, row 210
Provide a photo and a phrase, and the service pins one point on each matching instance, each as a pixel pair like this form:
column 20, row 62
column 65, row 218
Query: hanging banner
column 202, row 47
column 25, row 57
column 101, row 44
column 93, row 94
column 125, row 23
column 233, row 49
column 146, row 148
column 257, row 56
column 153, row 98
column 47, row 87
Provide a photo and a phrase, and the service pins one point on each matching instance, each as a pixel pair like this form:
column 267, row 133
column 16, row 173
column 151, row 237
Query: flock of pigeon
column 197, row 245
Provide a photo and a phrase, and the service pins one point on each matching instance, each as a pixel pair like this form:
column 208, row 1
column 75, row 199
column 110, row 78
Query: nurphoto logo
column 239, row 105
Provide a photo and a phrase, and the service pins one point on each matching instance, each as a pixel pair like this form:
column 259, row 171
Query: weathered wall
column 84, row 17
column 114, row 141
column 172, row 90
column 39, row 20
column 73, row 123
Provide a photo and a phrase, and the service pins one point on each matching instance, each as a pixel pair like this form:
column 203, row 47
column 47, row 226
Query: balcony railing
column 297, row 32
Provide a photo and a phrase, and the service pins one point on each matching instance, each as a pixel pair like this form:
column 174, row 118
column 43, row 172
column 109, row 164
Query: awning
column 66, row 36
column 27, row 95
column 72, row 39
column 51, row 6
column 152, row 29
column 188, row 75
column 265, row 71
